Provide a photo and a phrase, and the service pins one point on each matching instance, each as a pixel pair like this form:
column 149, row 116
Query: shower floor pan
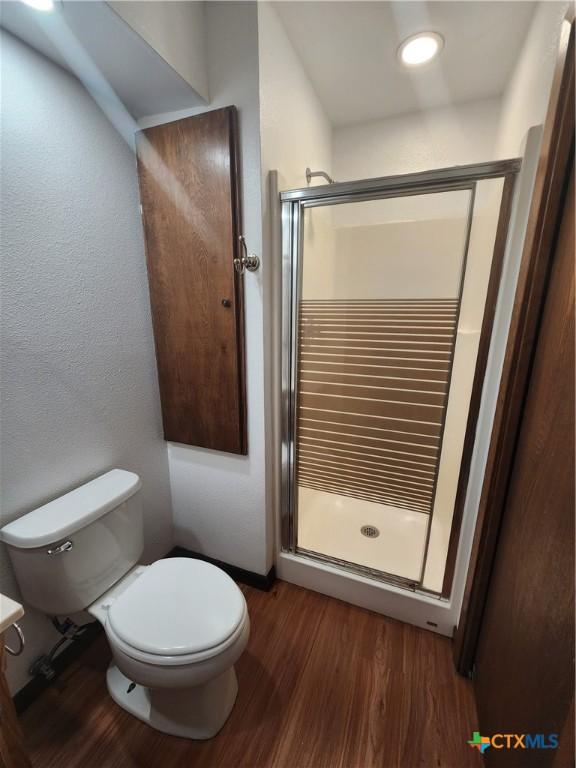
column 331, row 525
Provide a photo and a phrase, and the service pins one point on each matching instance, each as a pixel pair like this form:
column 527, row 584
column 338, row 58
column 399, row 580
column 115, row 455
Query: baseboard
column 249, row 578
column 65, row 658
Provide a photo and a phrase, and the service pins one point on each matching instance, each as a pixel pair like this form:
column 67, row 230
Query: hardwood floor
column 323, row 684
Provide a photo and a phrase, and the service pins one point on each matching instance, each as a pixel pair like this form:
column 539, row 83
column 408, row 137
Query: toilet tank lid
column 67, row 514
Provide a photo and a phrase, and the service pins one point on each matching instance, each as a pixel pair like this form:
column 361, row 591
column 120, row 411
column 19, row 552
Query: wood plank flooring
column 323, row 684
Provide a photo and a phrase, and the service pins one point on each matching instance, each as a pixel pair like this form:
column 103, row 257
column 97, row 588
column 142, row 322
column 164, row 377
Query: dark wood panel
column 191, row 214
column 394, row 702
column 524, row 673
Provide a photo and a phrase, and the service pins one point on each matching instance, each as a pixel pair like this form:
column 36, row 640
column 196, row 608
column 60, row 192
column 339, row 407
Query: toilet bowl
column 175, row 628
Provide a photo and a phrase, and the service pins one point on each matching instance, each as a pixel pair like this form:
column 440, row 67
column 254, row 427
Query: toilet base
column 192, row 713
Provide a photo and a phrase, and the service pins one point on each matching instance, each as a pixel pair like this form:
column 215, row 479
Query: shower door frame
column 293, row 204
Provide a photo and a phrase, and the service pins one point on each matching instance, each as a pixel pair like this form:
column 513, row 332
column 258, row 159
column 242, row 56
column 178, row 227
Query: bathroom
column 390, row 205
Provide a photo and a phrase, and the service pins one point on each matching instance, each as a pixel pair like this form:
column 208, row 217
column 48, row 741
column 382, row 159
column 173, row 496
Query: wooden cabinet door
column 188, row 172
column 524, row 677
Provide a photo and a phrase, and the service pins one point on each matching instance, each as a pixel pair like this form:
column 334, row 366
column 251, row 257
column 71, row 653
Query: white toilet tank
column 71, row 550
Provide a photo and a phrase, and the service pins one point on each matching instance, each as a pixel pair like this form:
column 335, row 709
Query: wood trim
column 524, row 664
column 554, row 164
column 477, row 386
column 236, row 207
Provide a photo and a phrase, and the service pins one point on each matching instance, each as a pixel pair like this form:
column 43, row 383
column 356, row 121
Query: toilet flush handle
column 65, row 547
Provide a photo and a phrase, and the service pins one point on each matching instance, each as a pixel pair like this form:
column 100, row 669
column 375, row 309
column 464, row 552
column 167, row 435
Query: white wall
column 79, row 386
column 526, row 98
column 295, row 134
column 502, row 317
column 176, row 32
column 295, row 131
column 478, row 266
column 523, row 111
column 419, row 141
column 219, row 499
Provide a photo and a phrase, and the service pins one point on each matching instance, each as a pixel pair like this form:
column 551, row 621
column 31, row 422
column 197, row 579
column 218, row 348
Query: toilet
column 176, row 627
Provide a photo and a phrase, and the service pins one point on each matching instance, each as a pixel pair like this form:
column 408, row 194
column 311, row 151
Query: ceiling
column 90, row 40
column 349, row 52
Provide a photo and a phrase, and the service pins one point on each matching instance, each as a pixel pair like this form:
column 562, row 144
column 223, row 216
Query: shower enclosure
column 389, row 292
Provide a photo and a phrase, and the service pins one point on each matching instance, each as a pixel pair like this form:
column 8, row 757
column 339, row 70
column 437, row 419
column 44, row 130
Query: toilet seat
column 180, row 611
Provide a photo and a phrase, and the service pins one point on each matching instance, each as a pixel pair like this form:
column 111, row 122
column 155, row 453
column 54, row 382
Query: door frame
column 293, row 203
column 556, row 153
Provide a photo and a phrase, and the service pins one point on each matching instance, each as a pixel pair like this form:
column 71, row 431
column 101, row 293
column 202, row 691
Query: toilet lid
column 178, row 606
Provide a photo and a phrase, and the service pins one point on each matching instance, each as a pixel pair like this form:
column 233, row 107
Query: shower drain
column 370, row 531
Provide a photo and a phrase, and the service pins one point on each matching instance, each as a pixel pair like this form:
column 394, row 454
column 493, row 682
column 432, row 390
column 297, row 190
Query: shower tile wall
column 373, row 380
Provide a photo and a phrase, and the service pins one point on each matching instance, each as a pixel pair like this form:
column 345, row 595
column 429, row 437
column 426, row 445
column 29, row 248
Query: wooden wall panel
column 524, row 666
column 373, row 380
column 191, row 213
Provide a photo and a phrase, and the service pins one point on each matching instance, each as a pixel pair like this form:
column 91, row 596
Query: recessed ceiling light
column 420, row 49
column 40, row 5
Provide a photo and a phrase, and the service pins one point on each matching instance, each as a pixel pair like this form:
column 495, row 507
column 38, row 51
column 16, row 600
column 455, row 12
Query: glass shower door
column 380, row 291
column 385, row 299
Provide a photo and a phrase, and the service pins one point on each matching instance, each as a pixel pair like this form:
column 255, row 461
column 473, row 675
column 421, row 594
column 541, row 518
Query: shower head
column 311, row 174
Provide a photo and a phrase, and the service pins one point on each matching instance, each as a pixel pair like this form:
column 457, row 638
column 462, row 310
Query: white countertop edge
column 10, row 611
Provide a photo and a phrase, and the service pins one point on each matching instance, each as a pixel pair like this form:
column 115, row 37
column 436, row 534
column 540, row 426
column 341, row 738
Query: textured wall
column 422, row 141
column 525, row 100
column 175, row 31
column 295, row 133
column 79, row 388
